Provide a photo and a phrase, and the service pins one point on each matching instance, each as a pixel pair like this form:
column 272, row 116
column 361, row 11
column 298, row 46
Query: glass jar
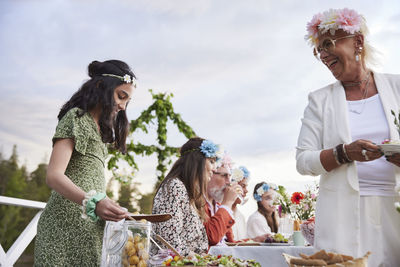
column 127, row 244
column 137, row 245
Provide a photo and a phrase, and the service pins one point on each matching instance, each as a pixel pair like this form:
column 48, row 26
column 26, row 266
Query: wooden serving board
column 153, row 218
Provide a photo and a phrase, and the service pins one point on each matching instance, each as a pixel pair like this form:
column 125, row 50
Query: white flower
column 293, row 209
column 260, row 191
column 273, row 186
column 127, row 78
column 237, row 176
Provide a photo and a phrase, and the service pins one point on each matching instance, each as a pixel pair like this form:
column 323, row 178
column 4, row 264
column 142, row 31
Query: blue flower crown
column 262, row 189
column 246, row 173
column 208, row 148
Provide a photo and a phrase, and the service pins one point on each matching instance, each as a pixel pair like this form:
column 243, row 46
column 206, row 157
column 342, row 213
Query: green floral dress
column 63, row 237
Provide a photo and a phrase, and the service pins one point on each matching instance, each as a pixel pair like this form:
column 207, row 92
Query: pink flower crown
column 344, row 19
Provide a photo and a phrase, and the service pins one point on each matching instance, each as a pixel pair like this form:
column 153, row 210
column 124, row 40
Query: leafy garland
column 161, row 110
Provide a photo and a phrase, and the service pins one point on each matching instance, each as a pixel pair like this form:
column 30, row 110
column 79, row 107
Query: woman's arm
column 257, row 226
column 56, row 178
column 59, row 182
column 311, row 158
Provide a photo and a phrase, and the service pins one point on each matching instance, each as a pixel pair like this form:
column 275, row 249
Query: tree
column 38, row 189
column 161, row 110
column 127, row 193
column 146, row 203
column 14, row 184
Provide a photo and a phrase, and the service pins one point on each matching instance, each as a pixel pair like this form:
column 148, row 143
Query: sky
column 240, row 71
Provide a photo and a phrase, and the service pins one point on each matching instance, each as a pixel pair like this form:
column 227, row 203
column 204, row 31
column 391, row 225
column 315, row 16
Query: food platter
column 390, row 149
column 154, row 218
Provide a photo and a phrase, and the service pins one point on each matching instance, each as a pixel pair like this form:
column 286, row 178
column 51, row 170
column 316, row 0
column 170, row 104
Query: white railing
column 22, row 242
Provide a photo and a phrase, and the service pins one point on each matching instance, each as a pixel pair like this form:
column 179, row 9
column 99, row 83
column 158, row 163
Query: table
column 265, row 255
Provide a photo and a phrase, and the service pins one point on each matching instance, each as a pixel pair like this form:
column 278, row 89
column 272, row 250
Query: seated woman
column 181, row 194
column 264, row 221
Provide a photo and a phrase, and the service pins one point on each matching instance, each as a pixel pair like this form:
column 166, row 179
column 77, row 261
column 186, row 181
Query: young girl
column 264, row 221
column 69, row 232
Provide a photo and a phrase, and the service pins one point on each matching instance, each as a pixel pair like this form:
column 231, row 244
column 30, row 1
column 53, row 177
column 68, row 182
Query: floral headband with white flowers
column 262, row 189
column 344, row 19
column 126, row 78
column 238, row 174
column 208, row 148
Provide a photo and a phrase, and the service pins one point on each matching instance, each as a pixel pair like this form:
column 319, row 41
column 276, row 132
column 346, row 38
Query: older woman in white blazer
column 342, row 125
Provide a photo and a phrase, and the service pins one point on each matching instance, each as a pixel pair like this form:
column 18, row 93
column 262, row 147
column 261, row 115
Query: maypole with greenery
column 161, row 110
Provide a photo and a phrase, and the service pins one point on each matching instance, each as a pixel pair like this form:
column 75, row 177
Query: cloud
column 240, row 71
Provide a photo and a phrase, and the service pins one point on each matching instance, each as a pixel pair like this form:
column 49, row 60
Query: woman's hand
column 108, row 210
column 363, row 150
column 395, row 159
column 261, row 238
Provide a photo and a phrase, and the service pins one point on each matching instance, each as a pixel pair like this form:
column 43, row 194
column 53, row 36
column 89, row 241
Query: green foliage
column 396, row 121
column 127, row 193
column 161, row 110
column 283, row 200
column 15, row 182
column 146, row 203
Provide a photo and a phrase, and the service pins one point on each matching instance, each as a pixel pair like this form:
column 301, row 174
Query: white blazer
column 324, row 126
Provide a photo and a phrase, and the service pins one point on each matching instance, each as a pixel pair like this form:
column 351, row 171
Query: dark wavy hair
column 189, row 168
column 99, row 90
column 263, row 211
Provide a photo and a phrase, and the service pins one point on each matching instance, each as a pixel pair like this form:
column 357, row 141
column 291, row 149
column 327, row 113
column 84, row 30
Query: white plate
column 390, row 149
column 275, row 244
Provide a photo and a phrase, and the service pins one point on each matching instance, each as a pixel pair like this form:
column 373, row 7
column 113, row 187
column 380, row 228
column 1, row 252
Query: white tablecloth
column 265, row 255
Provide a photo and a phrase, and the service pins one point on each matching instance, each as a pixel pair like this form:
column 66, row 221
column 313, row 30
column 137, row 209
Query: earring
column 358, row 54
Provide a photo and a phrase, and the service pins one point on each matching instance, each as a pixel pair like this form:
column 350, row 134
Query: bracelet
column 345, row 154
column 335, row 155
column 342, row 157
column 89, row 204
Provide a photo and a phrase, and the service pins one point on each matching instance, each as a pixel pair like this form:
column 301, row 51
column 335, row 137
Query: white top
column 257, row 225
column 377, row 177
column 239, row 228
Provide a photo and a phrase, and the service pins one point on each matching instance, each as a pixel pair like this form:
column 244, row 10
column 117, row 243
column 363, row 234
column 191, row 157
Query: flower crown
column 126, row 78
column 344, row 19
column 262, row 189
column 238, row 174
column 208, row 148
column 225, row 160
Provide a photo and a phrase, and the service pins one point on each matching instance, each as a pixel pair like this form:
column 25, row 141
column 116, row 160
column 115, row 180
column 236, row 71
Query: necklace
column 351, row 84
column 363, row 98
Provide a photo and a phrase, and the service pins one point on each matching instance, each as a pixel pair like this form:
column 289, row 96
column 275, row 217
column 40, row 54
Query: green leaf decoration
column 158, row 113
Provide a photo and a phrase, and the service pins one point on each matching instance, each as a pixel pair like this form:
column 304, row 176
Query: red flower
column 296, row 197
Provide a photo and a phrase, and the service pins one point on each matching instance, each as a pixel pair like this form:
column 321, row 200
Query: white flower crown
column 126, row 78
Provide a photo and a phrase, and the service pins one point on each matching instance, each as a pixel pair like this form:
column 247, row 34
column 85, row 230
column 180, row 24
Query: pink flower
column 312, row 26
column 312, row 196
column 227, row 161
column 348, row 20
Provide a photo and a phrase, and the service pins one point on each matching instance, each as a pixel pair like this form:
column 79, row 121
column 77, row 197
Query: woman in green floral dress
column 70, row 229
